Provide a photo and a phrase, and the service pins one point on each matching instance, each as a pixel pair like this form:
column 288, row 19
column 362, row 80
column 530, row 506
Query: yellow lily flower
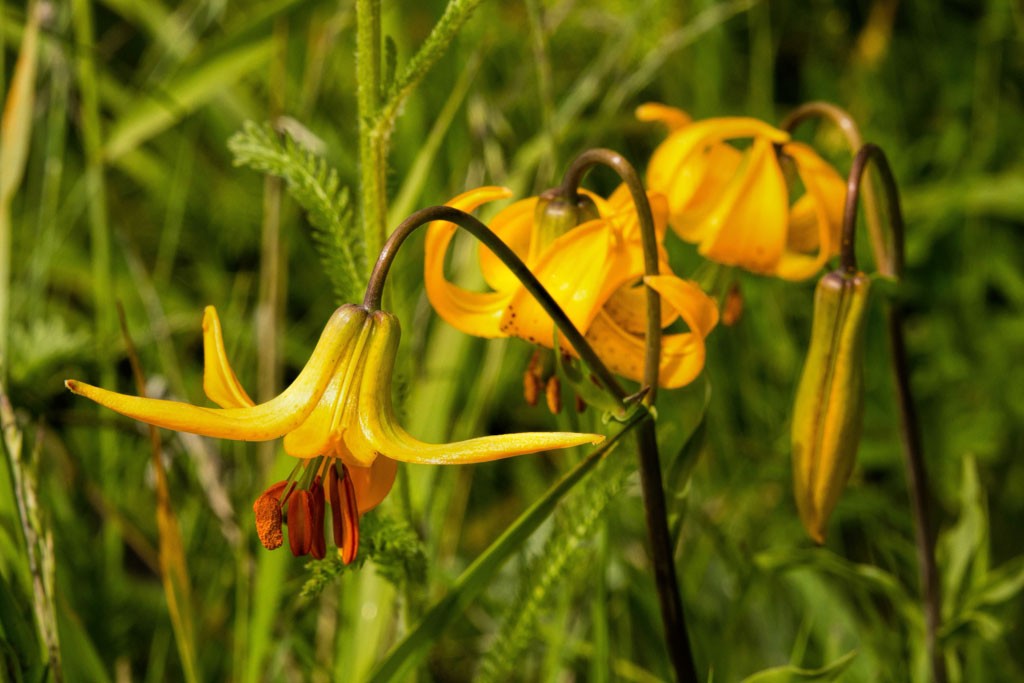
column 336, row 416
column 736, row 204
column 595, row 271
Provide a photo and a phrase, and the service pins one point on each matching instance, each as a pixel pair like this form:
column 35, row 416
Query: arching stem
column 917, row 479
column 375, row 286
column 569, row 188
column 655, row 509
column 846, row 124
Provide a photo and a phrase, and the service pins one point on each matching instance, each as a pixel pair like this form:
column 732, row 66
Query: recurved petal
column 219, row 381
column 747, row 227
column 672, row 117
column 623, row 213
column 682, row 354
column 380, row 433
column 257, row 423
column 372, row 484
column 514, row 225
column 474, row 313
column 816, row 219
column 627, row 307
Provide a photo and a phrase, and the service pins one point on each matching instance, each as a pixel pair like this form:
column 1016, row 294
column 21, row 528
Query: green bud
column 555, row 215
column 830, row 399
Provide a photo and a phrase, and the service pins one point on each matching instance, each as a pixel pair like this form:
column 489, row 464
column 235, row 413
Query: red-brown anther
column 553, row 393
column 531, row 387
column 268, row 516
column 532, row 379
column 300, row 522
column 581, row 405
column 344, row 512
column 318, row 546
column 732, row 309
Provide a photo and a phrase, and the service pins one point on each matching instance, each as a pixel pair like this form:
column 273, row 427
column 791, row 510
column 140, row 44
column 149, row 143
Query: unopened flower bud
column 830, row 399
column 555, row 215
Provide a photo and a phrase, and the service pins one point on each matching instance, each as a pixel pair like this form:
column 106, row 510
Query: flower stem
column 570, row 185
column 846, row 124
column 655, row 510
column 375, row 286
column 917, row 479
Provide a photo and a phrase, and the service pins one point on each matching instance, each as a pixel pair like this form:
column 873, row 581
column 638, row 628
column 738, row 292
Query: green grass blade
column 479, row 574
column 196, row 87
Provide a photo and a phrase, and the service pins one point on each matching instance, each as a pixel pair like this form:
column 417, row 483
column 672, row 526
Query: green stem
column 655, row 509
column 913, row 452
column 373, row 141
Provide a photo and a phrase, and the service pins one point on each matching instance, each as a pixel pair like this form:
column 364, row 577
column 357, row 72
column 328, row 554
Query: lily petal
column 694, row 165
column 257, row 423
column 824, row 200
column 380, row 432
column 514, row 225
column 682, row 354
column 317, row 434
column 581, row 269
column 672, row 117
column 220, row 383
column 627, row 307
column 623, row 214
column 476, row 313
column 747, row 227
column 373, row 483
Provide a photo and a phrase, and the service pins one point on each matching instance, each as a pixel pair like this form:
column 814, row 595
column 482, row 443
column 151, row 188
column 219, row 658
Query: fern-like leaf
column 552, row 568
column 315, row 186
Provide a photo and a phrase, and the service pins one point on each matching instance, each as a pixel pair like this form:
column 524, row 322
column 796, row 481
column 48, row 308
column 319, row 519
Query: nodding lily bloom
column 736, row 205
column 594, row 270
column 336, row 417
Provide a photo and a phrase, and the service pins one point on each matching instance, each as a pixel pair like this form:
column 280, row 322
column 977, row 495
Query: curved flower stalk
column 595, row 271
column 737, row 205
column 336, row 417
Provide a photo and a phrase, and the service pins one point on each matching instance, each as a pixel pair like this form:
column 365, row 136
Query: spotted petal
column 581, row 270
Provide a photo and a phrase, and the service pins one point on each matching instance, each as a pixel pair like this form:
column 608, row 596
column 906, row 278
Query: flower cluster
column 741, row 205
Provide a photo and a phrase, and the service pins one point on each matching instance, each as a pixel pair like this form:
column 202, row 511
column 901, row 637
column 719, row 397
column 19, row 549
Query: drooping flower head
column 737, row 205
column 594, row 270
column 336, row 417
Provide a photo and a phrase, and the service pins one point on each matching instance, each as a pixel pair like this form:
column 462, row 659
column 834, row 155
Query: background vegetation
column 131, row 194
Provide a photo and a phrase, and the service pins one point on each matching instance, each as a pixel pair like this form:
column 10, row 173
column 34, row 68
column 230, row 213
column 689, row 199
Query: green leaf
column 785, row 674
column 1001, row 584
column 392, row 545
column 315, row 186
column 963, row 549
column 480, row 574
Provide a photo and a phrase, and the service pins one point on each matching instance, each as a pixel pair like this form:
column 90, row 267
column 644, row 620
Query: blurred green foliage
column 524, row 87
